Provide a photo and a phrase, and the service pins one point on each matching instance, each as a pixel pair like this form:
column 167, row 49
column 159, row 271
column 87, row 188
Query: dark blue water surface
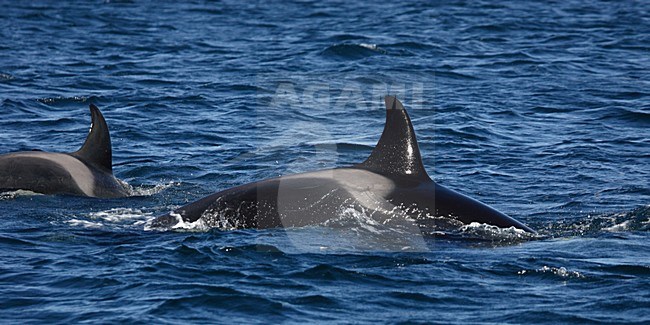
column 541, row 110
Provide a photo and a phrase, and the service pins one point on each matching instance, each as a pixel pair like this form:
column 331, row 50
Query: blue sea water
column 541, row 110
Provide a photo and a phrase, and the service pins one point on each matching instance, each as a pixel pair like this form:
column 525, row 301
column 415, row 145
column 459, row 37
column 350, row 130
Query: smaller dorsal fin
column 397, row 151
column 97, row 148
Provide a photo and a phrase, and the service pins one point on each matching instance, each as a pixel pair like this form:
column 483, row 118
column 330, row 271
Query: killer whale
column 391, row 182
column 85, row 172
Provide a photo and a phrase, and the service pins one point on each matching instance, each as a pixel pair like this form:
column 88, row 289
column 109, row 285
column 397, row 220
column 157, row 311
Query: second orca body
column 391, row 183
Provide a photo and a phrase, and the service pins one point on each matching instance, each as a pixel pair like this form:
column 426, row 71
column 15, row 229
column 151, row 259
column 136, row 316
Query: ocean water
column 541, row 110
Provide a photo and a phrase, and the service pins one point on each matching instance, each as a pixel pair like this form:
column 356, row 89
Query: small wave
column 550, row 109
column 634, row 220
column 226, row 300
column 319, row 14
column 258, row 248
column 6, row 76
column 468, row 133
column 626, row 269
column 414, row 45
column 346, row 146
column 412, row 49
column 561, row 272
column 629, row 114
column 320, row 301
column 353, row 51
column 9, row 240
column 492, row 28
column 247, row 87
column 347, row 37
column 455, row 75
column 507, row 64
column 156, row 82
column 326, row 272
column 617, row 95
column 415, row 297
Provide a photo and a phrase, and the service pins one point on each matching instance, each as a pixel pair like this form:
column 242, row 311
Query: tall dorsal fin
column 397, row 152
column 97, row 148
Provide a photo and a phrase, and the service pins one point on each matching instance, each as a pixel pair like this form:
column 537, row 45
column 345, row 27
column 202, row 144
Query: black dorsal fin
column 397, row 152
column 97, row 148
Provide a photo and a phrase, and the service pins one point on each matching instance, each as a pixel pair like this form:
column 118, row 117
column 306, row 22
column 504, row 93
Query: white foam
column 559, row 271
column 13, row 194
column 181, row 225
column 113, row 217
column 494, row 233
column 116, row 215
column 83, row 223
column 623, row 226
column 149, row 191
column 369, row 46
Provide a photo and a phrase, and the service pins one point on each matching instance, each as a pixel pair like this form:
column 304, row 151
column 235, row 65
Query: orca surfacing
column 86, row 172
column 391, row 183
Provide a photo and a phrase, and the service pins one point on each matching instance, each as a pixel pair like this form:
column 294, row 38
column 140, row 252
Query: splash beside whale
column 391, row 184
column 86, row 172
